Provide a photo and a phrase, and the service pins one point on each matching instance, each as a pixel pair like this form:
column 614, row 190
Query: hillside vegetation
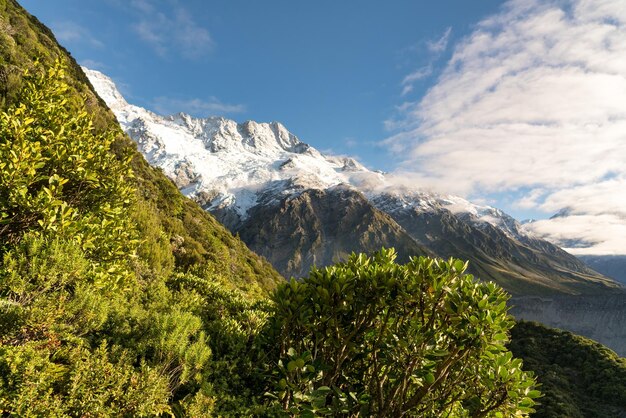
column 164, row 217
column 578, row 377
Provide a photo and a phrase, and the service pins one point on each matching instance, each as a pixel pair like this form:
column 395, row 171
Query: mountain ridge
column 248, row 174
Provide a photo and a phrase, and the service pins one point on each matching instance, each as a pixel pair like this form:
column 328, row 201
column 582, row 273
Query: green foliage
column 67, row 347
column 370, row 337
column 95, row 313
column 76, row 381
column 43, row 283
column 579, row 377
column 59, row 179
column 233, row 324
column 49, row 314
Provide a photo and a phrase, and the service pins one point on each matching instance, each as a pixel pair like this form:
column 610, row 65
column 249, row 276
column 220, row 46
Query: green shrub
column 579, row 377
column 59, row 178
column 373, row 338
column 77, row 382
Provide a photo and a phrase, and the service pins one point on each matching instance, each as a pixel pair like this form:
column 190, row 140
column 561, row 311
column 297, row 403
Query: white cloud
column 595, row 216
column 439, row 45
column 70, row 32
column 196, row 107
column 409, row 80
column 585, row 234
column 435, row 47
column 534, row 98
column 169, row 28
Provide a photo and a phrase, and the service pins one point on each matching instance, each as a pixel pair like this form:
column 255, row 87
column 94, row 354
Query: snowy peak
column 392, row 201
column 225, row 164
column 230, row 166
column 270, row 135
column 478, row 214
column 218, row 133
column 106, row 89
column 221, row 134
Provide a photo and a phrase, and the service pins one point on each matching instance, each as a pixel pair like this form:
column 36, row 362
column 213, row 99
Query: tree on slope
column 369, row 337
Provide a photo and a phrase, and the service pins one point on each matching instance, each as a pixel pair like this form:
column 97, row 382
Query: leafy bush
column 76, row 381
column 58, row 178
column 370, row 337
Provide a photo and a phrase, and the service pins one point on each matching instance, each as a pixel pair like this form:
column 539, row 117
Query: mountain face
column 320, row 227
column 498, row 248
column 299, row 207
column 599, row 317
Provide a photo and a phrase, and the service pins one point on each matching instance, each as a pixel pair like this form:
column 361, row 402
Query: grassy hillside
column 578, row 377
column 118, row 296
column 176, row 232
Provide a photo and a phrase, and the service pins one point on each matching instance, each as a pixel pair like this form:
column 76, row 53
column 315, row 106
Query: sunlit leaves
column 421, row 339
column 59, row 177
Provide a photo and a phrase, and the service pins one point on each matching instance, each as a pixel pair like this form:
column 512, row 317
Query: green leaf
column 429, row 378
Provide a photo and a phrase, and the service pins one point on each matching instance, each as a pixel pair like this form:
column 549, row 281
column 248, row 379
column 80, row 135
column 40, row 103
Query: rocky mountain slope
column 499, row 249
column 299, row 207
column 319, row 227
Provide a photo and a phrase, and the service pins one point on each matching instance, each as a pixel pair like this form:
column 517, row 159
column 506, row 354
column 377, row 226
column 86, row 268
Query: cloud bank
column 533, row 99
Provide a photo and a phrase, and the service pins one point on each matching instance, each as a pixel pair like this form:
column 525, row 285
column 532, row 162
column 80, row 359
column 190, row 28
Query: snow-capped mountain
column 226, row 164
column 390, row 201
column 299, row 207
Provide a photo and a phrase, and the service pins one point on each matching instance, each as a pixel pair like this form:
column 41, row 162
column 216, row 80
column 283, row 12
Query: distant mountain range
column 299, row 207
column 613, row 266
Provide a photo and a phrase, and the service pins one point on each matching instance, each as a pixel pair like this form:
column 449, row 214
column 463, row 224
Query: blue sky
column 520, row 104
column 331, row 71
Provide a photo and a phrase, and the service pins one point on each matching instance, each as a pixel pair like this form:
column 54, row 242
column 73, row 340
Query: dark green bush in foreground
column 370, row 337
